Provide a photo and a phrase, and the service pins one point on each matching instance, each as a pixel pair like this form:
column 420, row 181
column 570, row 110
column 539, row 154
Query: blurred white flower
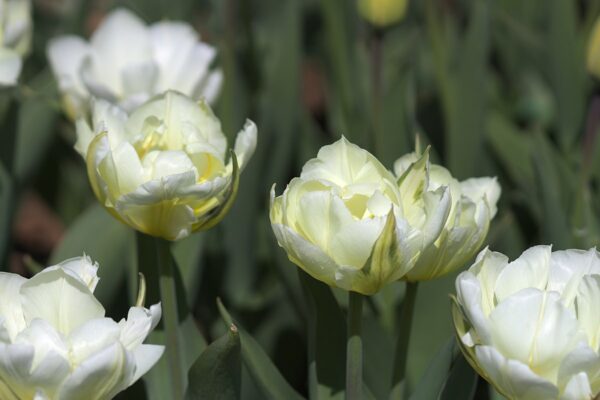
column 56, row 343
column 162, row 169
column 126, row 62
column 15, row 38
column 531, row 327
column 473, row 205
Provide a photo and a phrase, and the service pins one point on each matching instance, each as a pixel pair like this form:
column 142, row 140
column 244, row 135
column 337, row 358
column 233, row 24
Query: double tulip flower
column 353, row 224
column 163, row 169
column 56, row 343
column 531, row 326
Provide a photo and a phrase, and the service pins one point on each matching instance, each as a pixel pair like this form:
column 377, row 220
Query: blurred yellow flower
column 382, row 13
column 162, row 169
column 593, row 51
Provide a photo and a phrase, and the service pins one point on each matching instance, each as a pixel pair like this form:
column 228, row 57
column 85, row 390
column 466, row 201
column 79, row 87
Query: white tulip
column 162, row 169
column 126, row 62
column 15, row 38
column 56, row 343
column 473, row 205
column 531, row 327
column 348, row 222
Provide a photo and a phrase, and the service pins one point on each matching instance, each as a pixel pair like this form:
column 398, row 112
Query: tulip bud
column 127, row 62
column 15, row 38
column 472, row 206
column 56, row 343
column 161, row 169
column 348, row 222
column 531, row 327
column 382, row 13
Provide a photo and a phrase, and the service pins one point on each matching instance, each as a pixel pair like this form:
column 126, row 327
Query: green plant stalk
column 311, row 334
column 354, row 357
column 168, row 297
column 401, row 356
column 9, row 190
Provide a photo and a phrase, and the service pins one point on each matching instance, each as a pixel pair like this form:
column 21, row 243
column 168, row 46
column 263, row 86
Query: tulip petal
column 581, row 359
column 478, row 189
column 469, row 294
column 308, row 256
column 10, row 67
column 535, row 328
column 66, row 54
column 113, row 54
column 82, row 268
column 92, row 337
column 178, row 53
column 57, row 297
column 10, row 303
column 588, row 299
column 210, row 87
column 344, row 163
column 146, row 356
column 530, row 270
column 100, row 376
column 568, row 267
column 512, row 378
column 139, row 78
column 45, row 340
column 245, row 143
column 487, row 267
column 140, row 321
column 15, row 367
column 577, row 388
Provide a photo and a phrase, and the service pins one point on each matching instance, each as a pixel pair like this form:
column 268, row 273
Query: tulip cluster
column 56, row 343
column 351, row 223
column 158, row 161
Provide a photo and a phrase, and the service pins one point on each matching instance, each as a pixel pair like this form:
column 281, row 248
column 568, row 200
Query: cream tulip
column 348, row 222
column 56, row 343
column 162, row 169
column 15, row 38
column 473, row 205
column 531, row 327
column 126, row 62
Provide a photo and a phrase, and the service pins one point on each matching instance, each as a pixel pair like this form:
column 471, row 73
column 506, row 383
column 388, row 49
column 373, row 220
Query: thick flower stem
column 168, row 297
column 406, row 317
column 354, row 358
column 311, row 328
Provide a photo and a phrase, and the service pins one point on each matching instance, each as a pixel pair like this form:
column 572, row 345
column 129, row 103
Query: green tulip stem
column 354, row 357
column 168, row 298
column 406, row 317
column 311, row 328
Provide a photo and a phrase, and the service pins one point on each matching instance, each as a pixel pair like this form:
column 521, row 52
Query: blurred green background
column 498, row 88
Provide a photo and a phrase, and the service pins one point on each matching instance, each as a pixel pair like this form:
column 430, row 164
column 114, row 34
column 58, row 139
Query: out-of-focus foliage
column 497, row 88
